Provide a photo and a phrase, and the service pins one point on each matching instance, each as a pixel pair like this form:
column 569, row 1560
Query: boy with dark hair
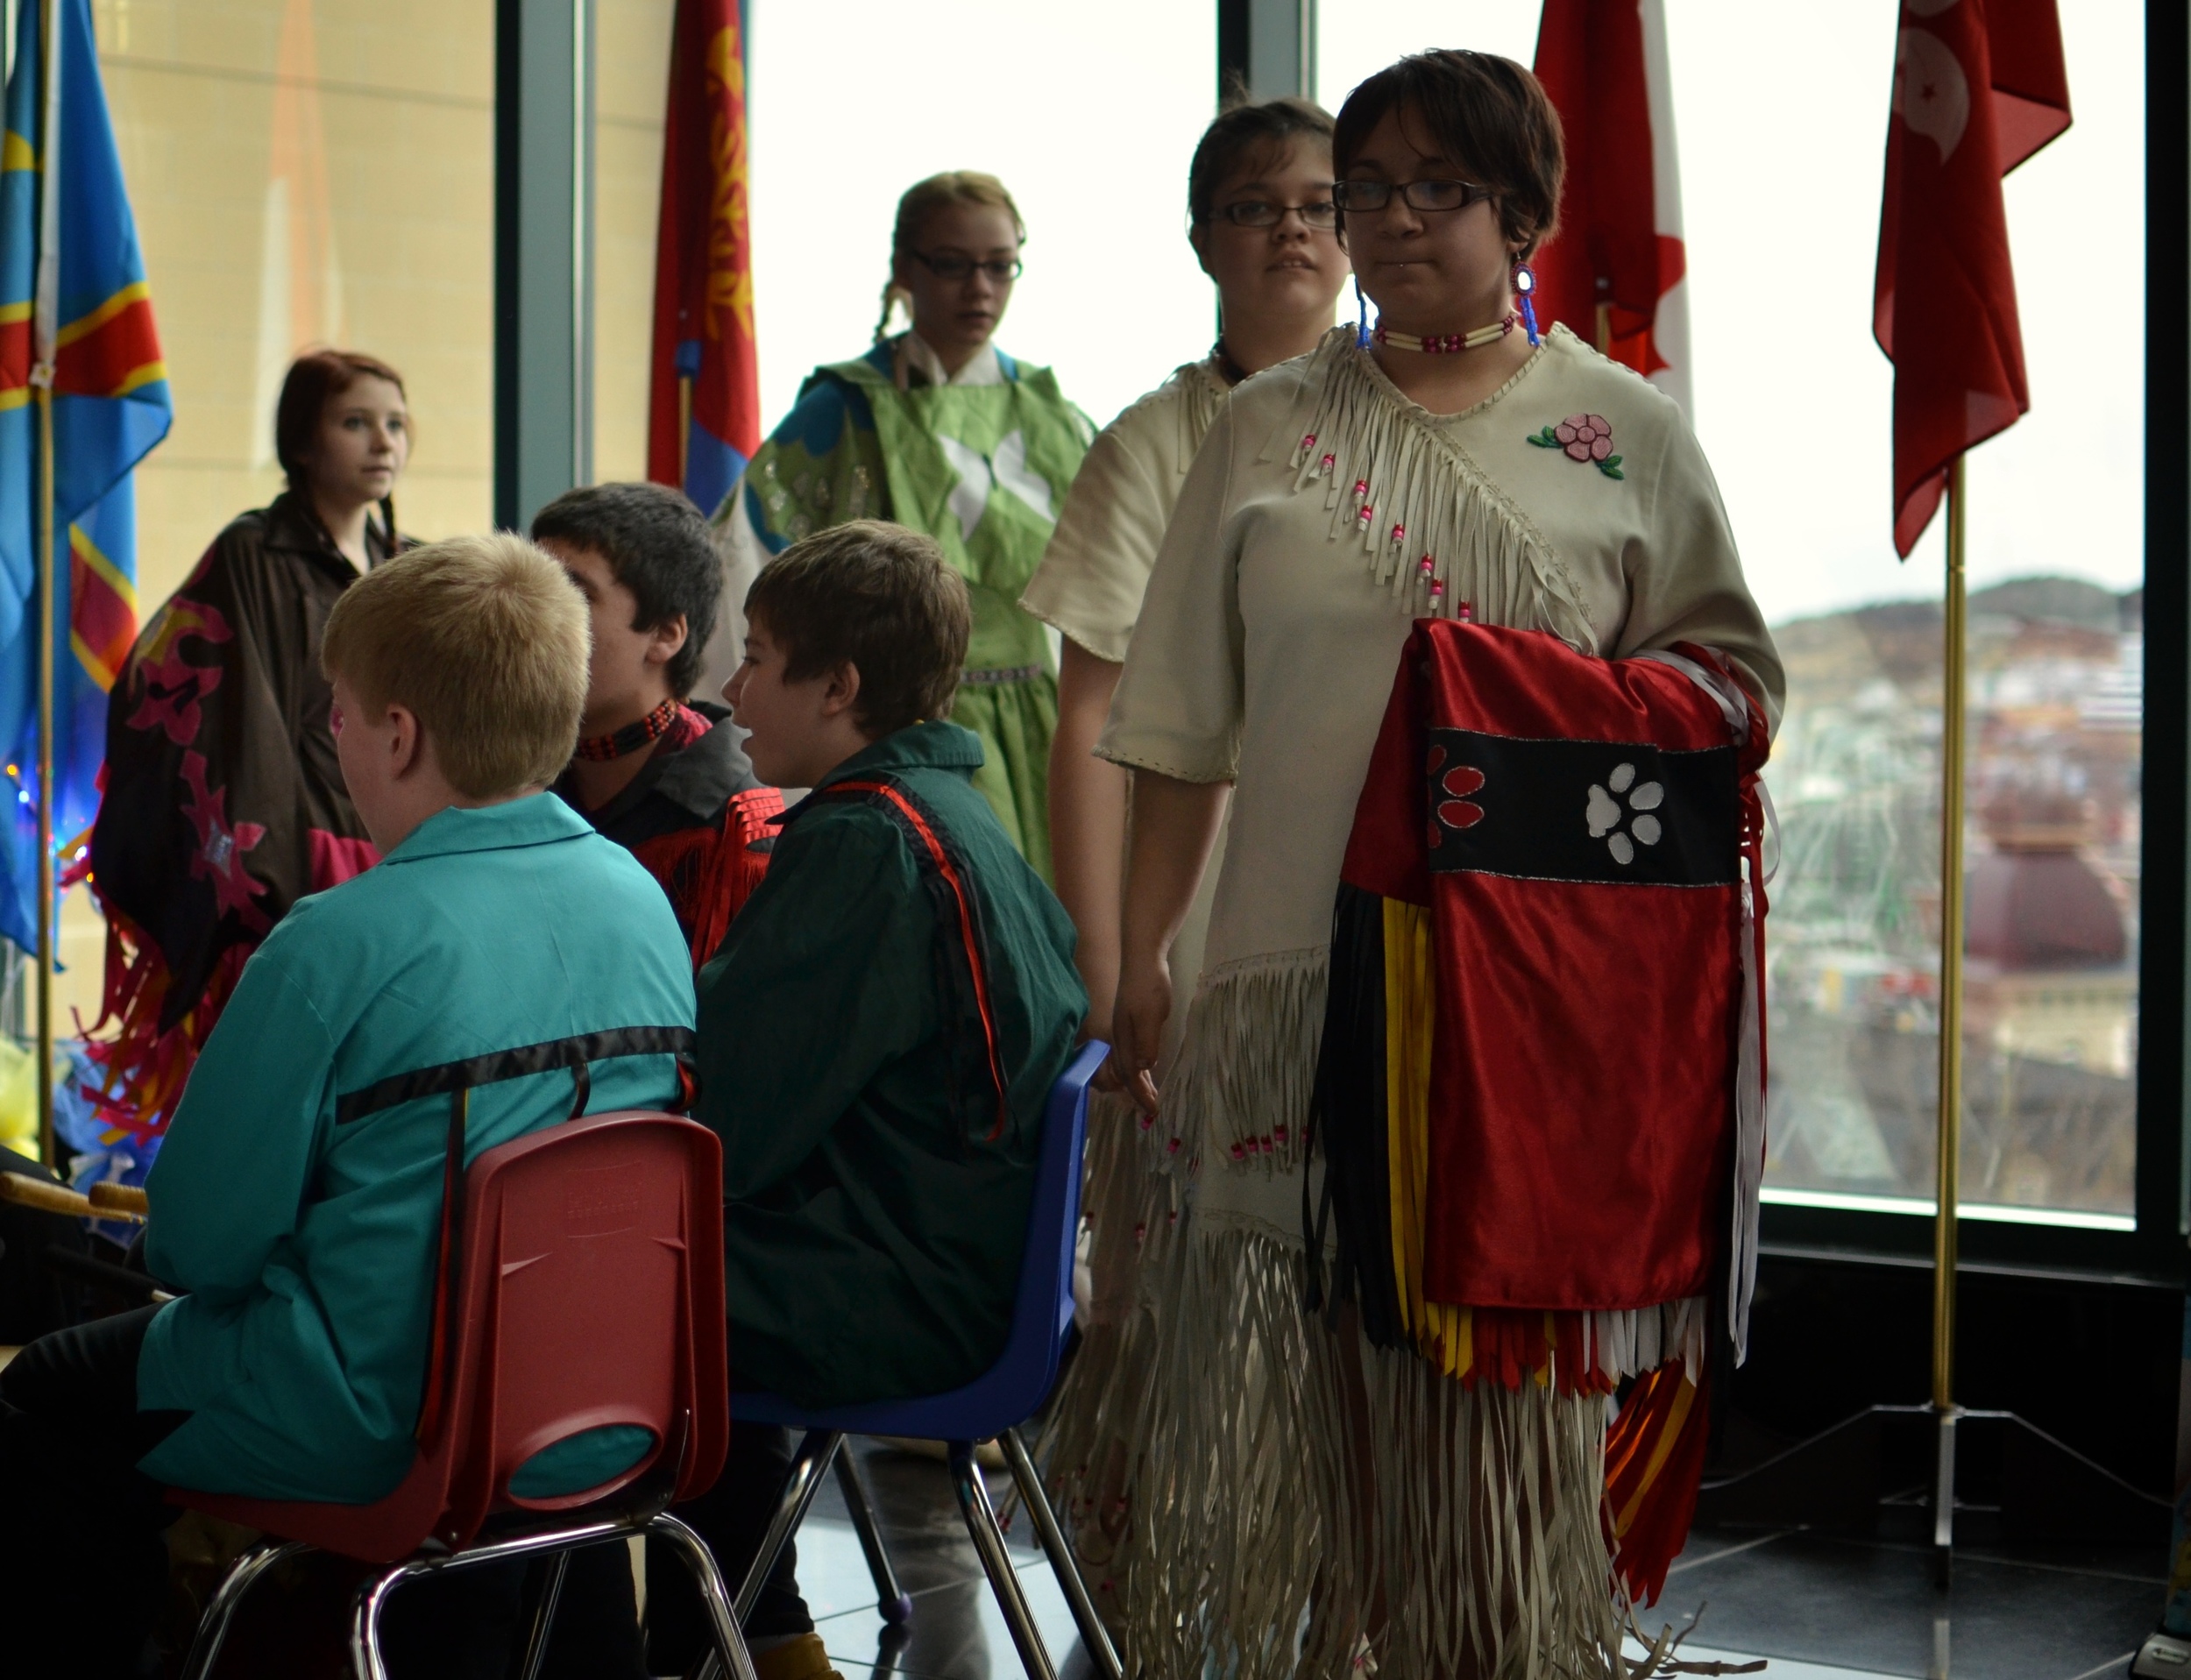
column 657, row 772
column 881, row 1028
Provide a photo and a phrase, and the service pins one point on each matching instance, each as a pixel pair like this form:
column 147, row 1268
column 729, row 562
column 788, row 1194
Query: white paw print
column 1604, row 813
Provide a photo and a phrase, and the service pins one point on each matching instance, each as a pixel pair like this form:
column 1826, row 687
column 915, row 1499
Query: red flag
column 1978, row 87
column 704, row 265
column 1603, row 62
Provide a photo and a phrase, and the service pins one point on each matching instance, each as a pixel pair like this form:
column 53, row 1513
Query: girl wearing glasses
column 1263, row 226
column 937, row 429
column 1294, row 1476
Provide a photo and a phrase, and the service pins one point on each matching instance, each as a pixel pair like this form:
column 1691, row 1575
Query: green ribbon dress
column 981, row 468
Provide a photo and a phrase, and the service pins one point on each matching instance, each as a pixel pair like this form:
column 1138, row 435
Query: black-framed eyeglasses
column 1368, row 195
column 1261, row 213
column 1001, row 270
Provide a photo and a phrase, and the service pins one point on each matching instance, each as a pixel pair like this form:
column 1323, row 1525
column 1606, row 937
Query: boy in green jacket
column 881, row 1026
column 298, row 1196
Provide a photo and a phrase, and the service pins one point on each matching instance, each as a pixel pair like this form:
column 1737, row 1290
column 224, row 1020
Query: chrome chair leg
column 996, row 1564
column 243, row 1575
column 892, row 1602
column 366, row 1605
column 1094, row 1634
column 815, row 1453
column 730, row 1640
column 545, row 1616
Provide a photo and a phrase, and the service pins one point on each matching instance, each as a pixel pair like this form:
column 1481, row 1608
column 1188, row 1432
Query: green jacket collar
column 535, row 820
column 935, row 745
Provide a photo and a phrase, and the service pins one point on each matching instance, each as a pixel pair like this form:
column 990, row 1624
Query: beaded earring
column 1525, row 288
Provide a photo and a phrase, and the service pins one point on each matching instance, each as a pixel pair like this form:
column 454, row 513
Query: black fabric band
column 1351, row 1124
column 500, row 1064
column 1621, row 813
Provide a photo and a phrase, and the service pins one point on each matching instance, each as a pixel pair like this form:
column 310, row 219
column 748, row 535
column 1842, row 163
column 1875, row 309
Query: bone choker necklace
column 1447, row 343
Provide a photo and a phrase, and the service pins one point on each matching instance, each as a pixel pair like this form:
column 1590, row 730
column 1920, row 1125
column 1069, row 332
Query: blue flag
column 72, row 291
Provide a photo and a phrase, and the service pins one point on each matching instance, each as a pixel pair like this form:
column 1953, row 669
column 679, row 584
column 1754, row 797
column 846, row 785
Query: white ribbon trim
column 1749, row 1061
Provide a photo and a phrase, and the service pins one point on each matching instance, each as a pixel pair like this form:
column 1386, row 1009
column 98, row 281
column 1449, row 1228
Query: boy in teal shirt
column 881, row 1026
column 298, row 1196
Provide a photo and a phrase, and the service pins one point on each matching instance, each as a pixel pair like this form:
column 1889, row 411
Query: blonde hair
column 922, row 200
column 485, row 640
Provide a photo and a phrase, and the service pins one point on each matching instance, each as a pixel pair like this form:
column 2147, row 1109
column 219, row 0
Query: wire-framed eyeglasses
column 1370, row 195
column 1323, row 216
column 1000, row 270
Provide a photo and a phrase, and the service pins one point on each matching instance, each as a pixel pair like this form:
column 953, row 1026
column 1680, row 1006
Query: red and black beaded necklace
column 631, row 737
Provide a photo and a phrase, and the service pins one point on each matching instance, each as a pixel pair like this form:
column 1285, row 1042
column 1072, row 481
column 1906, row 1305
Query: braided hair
column 921, row 200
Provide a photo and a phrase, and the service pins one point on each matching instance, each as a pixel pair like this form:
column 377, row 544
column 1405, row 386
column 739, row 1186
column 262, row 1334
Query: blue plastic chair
column 992, row 1406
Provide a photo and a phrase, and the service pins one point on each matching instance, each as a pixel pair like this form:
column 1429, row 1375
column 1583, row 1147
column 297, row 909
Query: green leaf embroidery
column 1544, row 440
column 1610, row 467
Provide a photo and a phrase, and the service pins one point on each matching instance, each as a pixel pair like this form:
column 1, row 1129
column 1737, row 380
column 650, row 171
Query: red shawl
column 1542, row 1068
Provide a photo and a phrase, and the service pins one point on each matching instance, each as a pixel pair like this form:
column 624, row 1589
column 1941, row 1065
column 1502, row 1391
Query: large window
column 303, row 171
column 1780, row 114
column 1087, row 114
column 631, row 80
column 1088, row 117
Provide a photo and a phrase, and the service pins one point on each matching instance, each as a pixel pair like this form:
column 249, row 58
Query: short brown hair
column 1249, row 134
column 1486, row 114
column 485, row 640
column 878, row 598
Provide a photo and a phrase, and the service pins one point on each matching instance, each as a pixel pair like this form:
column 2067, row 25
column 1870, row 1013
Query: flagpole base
column 1944, row 1494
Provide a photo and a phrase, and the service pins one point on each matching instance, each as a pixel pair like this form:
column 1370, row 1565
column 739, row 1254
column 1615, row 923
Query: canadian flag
column 1978, row 86
column 1614, row 271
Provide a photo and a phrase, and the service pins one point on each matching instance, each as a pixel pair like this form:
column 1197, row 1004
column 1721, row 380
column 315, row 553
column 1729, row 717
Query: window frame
column 2155, row 1251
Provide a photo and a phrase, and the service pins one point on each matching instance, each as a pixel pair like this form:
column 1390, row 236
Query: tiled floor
column 1818, row 1608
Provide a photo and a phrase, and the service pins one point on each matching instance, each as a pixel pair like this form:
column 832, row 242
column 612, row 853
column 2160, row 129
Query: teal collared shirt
column 876, row 1202
column 306, row 1245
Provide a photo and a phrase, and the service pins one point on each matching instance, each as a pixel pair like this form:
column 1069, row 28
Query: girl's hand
column 1136, row 1019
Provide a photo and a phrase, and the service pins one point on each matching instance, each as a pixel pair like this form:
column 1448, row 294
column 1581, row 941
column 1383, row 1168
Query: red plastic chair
column 589, row 1293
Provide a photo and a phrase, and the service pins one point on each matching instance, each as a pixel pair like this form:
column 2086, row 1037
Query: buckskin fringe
column 1202, row 394
column 1306, row 1500
column 1401, row 492
column 1089, row 1447
column 1247, row 1064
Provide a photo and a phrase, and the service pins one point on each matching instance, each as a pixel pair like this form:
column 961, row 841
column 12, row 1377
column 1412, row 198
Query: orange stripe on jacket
column 950, row 874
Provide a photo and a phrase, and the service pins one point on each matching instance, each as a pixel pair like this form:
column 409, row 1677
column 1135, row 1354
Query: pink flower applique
column 1583, row 437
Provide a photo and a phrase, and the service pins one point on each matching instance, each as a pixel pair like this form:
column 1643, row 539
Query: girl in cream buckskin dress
column 1311, row 1505
column 1264, row 229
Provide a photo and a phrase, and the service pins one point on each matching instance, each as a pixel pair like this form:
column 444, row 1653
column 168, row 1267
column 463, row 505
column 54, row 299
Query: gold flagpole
column 684, row 427
column 42, row 391
column 1945, row 1410
column 48, row 1149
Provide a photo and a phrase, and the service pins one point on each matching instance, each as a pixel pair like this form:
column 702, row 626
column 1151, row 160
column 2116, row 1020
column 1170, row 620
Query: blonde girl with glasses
column 938, row 430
